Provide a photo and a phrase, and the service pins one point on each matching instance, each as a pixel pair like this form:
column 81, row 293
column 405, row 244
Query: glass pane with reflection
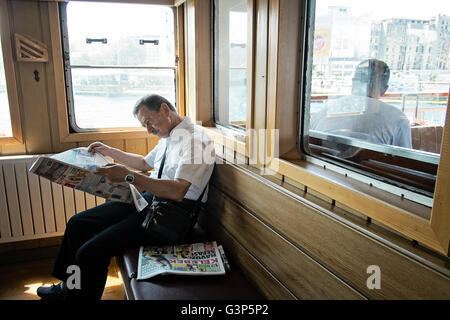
column 379, row 82
column 104, row 98
column 231, row 55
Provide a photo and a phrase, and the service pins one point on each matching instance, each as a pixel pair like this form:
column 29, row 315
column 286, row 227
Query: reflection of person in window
column 362, row 115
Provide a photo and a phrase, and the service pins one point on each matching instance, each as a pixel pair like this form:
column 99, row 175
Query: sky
column 381, row 9
column 123, row 19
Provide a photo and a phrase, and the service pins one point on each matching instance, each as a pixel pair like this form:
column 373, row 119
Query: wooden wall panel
column 267, row 283
column 32, row 95
column 138, row 146
column 338, row 246
column 293, row 268
column 12, row 149
column 50, row 78
column 118, row 144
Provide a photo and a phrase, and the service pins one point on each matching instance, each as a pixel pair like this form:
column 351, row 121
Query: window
column 231, row 56
column 376, row 89
column 10, row 126
column 5, row 118
column 117, row 53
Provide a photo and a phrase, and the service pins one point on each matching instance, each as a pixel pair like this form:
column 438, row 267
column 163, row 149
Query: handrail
column 320, row 96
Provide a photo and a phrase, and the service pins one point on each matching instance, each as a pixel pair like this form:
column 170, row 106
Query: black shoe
column 53, row 292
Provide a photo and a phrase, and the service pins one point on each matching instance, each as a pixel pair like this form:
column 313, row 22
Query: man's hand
column 101, row 148
column 113, row 172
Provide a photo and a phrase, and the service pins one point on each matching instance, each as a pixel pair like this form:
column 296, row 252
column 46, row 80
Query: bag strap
column 160, row 174
column 162, row 163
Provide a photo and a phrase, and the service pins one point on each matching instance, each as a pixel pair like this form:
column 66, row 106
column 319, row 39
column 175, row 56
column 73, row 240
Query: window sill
column 402, row 215
column 10, row 140
column 104, row 135
column 228, row 140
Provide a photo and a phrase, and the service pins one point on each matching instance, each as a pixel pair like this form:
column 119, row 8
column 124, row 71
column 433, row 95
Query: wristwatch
column 129, row 178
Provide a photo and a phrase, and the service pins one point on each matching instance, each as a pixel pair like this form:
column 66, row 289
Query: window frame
column 238, row 130
column 235, row 138
column 395, row 182
column 10, row 76
column 66, row 134
column 280, row 40
column 434, row 232
column 69, row 67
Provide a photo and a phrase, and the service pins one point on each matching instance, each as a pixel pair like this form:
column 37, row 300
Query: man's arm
column 135, row 161
column 168, row 189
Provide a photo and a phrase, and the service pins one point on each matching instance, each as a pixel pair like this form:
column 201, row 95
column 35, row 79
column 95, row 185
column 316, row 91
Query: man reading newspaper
column 94, row 236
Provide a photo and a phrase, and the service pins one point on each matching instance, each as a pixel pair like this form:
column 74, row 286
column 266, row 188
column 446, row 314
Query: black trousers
column 92, row 238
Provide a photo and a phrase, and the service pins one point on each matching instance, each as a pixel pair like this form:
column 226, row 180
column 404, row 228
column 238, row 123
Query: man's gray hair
column 153, row 103
column 373, row 70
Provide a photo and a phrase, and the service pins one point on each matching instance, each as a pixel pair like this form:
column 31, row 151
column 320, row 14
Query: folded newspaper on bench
column 202, row 258
column 75, row 168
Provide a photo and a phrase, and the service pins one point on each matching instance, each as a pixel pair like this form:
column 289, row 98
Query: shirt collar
column 184, row 124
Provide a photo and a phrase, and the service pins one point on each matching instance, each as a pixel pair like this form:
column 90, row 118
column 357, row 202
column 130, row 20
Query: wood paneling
column 27, row 20
column 338, row 246
column 270, row 287
column 197, row 60
column 138, row 146
column 440, row 216
column 287, row 74
column 297, row 271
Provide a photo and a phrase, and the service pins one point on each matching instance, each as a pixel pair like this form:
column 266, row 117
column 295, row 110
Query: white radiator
column 32, row 207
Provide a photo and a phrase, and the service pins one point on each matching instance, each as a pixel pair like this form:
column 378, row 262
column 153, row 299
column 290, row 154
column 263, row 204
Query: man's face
column 157, row 123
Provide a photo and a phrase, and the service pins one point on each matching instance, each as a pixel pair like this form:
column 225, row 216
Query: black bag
column 168, row 220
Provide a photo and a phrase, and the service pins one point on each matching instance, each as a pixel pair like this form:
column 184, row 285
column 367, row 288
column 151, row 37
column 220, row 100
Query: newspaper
column 202, row 258
column 75, row 168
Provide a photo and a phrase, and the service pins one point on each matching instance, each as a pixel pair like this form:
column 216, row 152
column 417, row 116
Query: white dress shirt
column 366, row 119
column 190, row 156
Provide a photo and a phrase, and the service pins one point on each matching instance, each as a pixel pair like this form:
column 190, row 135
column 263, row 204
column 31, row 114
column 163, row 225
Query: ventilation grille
column 30, row 50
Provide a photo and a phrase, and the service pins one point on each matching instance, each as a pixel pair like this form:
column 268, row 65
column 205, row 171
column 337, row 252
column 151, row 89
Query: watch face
column 129, row 178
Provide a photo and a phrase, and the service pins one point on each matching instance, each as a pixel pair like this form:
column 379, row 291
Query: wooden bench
column 231, row 286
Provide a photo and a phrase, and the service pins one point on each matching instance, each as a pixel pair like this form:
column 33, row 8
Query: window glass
column 5, row 119
column 377, row 86
column 231, row 55
column 117, row 54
